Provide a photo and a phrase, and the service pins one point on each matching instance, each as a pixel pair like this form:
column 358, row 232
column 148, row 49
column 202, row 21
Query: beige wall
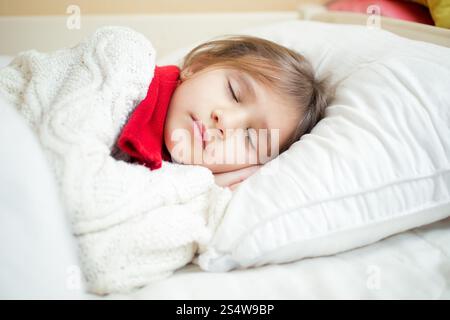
column 58, row 7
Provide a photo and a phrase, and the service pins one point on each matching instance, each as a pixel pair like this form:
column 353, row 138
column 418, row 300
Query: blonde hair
column 283, row 69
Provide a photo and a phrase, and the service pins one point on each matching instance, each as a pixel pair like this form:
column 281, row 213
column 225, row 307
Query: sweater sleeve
column 99, row 190
column 102, row 192
column 141, row 250
column 77, row 100
column 133, row 225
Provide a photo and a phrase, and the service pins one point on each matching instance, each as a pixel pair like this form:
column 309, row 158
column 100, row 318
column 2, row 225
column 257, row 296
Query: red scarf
column 143, row 135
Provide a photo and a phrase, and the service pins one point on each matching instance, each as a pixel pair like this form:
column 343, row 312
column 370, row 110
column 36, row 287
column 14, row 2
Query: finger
column 231, row 177
column 250, row 170
column 234, row 186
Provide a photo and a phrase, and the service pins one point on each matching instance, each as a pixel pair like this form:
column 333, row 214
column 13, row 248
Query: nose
column 227, row 119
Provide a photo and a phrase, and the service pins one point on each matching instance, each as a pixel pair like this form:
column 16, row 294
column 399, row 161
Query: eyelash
column 232, row 92
column 237, row 100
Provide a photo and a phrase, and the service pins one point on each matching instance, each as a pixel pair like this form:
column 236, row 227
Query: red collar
column 143, row 135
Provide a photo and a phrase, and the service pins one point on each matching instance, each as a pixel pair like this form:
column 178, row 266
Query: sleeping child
column 254, row 86
column 146, row 156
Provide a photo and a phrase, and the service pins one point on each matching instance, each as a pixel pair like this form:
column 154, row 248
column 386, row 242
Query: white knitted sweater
column 133, row 225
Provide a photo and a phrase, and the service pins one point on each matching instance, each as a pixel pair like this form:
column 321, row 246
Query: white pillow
column 378, row 164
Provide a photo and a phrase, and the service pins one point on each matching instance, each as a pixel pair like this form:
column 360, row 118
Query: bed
column 411, row 265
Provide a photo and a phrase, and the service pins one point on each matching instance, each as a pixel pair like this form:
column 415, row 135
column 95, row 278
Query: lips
column 201, row 129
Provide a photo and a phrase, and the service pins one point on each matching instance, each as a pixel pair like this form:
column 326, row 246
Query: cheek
column 177, row 103
column 174, row 121
column 176, row 113
column 168, row 127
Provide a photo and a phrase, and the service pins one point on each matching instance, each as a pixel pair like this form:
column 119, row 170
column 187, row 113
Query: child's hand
column 232, row 179
column 234, row 186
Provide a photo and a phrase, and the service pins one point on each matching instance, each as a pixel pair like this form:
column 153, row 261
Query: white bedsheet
column 410, row 265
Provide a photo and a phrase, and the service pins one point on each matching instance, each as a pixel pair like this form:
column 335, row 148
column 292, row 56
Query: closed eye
column 232, row 92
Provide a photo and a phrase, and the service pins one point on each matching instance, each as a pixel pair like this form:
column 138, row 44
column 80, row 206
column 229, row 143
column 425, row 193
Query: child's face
column 205, row 98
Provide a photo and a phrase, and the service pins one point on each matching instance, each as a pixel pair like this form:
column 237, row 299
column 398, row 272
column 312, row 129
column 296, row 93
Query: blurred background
column 170, row 24
column 55, row 7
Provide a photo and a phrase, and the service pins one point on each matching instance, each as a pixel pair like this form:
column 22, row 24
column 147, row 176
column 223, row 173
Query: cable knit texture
column 133, row 225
